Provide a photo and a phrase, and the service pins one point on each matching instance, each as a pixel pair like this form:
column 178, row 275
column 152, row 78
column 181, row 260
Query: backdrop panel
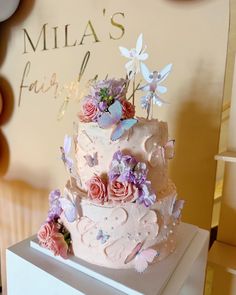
column 42, row 49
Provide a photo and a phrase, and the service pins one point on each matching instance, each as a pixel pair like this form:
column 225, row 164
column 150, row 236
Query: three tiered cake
column 119, row 208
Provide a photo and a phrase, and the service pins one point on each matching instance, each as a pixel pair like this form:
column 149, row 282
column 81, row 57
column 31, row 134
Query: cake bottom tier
column 107, row 236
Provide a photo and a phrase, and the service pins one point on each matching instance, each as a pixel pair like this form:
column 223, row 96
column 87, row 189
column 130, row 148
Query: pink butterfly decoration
column 169, row 149
column 134, row 252
column 141, row 257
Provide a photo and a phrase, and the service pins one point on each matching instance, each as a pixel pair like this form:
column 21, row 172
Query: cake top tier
column 111, row 102
column 110, row 136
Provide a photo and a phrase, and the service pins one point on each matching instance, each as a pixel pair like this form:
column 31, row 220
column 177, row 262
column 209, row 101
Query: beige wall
column 191, row 34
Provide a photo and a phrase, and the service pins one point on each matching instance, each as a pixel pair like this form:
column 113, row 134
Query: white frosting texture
column 122, row 228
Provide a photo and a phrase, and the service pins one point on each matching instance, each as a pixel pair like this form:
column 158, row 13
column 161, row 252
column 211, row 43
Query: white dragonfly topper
column 136, row 56
column 153, row 87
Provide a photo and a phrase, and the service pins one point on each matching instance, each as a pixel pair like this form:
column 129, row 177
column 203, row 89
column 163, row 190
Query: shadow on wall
column 197, row 134
column 23, row 10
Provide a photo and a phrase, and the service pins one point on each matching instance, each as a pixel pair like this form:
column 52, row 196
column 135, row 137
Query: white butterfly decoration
column 136, row 56
column 68, row 162
column 68, row 206
column 65, row 151
column 157, row 153
column 141, row 257
column 176, row 208
column 153, row 87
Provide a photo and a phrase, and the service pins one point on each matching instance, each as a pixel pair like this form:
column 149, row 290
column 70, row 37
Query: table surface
column 160, row 278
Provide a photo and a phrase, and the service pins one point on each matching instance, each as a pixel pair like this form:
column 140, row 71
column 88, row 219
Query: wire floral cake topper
column 153, row 79
column 107, row 102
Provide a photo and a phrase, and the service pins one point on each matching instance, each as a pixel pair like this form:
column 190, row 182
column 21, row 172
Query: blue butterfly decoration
column 114, row 118
column 102, row 237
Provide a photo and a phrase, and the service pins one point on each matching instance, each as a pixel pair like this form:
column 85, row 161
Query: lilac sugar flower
column 102, row 106
column 146, row 196
column 121, row 168
column 140, row 173
column 55, row 205
column 118, row 89
column 110, row 89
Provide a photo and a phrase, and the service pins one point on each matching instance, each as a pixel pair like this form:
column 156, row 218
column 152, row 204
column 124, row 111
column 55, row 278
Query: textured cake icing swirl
column 125, row 226
column 146, row 142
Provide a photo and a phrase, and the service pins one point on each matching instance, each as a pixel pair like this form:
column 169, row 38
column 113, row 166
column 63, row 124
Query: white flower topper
column 136, row 56
column 152, row 87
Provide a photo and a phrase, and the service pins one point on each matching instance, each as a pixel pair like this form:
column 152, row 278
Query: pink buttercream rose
column 122, row 191
column 58, row 245
column 50, row 238
column 45, row 232
column 89, row 110
column 97, row 190
column 128, row 109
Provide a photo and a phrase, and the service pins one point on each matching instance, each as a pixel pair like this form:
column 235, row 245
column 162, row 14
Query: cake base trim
column 158, row 272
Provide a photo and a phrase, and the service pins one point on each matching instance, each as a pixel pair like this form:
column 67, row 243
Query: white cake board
column 151, row 282
column 30, row 271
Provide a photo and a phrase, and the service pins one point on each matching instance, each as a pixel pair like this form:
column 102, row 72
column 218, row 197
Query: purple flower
column 115, row 89
column 121, row 168
column 102, row 106
column 125, row 168
column 140, row 173
column 146, row 196
column 55, row 205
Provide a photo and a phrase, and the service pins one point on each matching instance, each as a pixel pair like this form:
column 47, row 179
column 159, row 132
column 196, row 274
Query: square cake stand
column 34, row 270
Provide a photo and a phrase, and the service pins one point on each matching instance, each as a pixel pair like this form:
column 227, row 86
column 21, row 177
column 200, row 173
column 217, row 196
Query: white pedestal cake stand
column 34, row 270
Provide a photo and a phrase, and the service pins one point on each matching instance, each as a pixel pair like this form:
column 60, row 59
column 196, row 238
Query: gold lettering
column 36, row 86
column 89, row 25
column 22, row 85
column 34, row 47
column 66, row 38
column 73, row 87
column 118, row 25
column 55, row 38
column 84, row 65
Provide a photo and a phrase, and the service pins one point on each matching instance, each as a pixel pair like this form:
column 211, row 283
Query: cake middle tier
column 146, row 141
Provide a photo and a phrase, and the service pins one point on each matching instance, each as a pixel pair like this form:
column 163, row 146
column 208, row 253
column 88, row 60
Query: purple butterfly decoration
column 102, row 237
column 113, row 118
column 92, row 160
